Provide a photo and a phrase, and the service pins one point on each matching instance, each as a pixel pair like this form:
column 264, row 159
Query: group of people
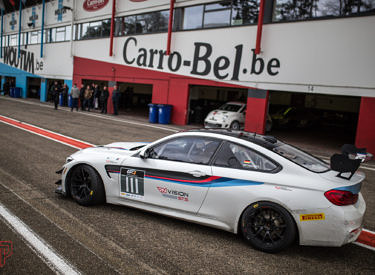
column 55, row 90
column 90, row 97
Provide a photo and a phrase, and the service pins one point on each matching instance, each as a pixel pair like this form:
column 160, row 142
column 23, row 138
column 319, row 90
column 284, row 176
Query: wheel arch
column 238, row 229
column 69, row 174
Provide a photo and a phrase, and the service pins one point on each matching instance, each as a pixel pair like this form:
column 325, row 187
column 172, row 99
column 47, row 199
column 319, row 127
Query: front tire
column 268, row 227
column 86, row 186
column 235, row 125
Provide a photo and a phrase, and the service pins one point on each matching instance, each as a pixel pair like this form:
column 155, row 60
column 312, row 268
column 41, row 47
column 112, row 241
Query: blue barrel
column 61, row 100
column 11, row 92
column 153, row 113
column 17, row 92
column 165, row 111
column 70, row 101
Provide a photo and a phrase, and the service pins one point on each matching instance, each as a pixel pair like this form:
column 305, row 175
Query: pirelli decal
column 311, row 217
column 132, row 183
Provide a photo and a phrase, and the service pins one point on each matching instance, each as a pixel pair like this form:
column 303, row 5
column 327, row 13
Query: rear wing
column 349, row 160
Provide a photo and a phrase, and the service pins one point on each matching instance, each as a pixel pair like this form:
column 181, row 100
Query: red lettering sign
column 94, row 5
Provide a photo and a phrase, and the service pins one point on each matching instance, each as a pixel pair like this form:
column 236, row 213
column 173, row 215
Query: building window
column 193, row 17
column 217, row 15
column 292, row 10
column 245, row 12
column 13, row 40
column 34, row 37
column 95, row 29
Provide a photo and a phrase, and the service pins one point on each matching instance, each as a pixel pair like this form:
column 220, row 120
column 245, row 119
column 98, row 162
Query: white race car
column 230, row 115
column 255, row 185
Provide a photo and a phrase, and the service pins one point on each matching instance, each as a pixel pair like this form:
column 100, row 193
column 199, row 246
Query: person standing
column 115, row 99
column 97, row 93
column 88, row 97
column 104, row 99
column 82, row 97
column 75, row 95
column 65, row 94
column 56, row 90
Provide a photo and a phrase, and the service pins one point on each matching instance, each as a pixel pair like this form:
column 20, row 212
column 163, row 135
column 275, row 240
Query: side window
column 197, row 150
column 239, row 157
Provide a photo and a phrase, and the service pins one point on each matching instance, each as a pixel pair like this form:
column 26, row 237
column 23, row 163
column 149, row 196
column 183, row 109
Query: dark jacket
column 55, row 91
column 116, row 95
column 104, row 95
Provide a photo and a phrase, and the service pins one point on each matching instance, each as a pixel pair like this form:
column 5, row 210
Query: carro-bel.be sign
column 202, row 63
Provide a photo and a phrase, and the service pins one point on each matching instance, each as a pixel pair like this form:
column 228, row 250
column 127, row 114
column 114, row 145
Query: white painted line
column 56, row 262
column 364, row 246
column 170, row 129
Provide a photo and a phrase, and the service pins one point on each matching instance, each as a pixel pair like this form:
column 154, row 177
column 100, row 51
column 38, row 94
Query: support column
column 43, row 90
column 111, row 84
column 21, row 82
column 365, row 136
column 256, row 111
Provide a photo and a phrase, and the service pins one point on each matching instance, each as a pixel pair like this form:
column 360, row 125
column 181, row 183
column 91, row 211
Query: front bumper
column 215, row 124
column 60, row 190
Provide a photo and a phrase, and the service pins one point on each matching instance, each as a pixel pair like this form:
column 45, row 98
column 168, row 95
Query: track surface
column 112, row 239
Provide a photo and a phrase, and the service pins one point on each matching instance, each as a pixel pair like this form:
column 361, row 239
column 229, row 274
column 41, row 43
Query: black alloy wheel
column 86, row 186
column 268, row 227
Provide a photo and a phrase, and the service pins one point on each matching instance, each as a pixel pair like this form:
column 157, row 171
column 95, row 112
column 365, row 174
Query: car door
column 174, row 174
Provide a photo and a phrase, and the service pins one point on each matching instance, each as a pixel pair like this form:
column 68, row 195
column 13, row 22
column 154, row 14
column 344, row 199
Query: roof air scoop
column 349, row 160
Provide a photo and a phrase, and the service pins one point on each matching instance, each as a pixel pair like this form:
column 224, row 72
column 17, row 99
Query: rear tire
column 268, row 227
column 86, row 186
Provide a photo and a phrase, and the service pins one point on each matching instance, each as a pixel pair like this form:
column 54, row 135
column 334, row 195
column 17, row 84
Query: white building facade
column 316, row 51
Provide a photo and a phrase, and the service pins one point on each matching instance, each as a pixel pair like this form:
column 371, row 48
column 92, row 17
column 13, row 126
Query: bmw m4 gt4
column 270, row 192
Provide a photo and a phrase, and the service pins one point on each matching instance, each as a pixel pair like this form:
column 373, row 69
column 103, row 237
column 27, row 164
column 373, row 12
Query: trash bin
column 70, row 101
column 16, row 92
column 61, row 100
column 165, row 111
column 153, row 113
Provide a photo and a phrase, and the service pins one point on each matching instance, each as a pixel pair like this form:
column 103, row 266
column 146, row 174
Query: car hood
column 112, row 150
column 219, row 113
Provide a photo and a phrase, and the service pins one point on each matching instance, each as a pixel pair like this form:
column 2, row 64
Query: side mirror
column 145, row 154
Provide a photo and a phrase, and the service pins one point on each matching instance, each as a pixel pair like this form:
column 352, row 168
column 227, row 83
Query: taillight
column 341, row 197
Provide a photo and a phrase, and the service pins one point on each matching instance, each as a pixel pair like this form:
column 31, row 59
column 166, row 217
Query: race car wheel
column 235, row 125
column 86, row 186
column 268, row 227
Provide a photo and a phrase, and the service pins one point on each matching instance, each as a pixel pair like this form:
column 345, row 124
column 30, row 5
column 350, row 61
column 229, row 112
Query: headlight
column 68, row 159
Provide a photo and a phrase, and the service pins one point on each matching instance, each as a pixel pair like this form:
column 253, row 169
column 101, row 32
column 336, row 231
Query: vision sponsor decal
column 132, row 183
column 26, row 62
column 173, row 194
column 311, row 217
column 94, row 5
column 202, row 63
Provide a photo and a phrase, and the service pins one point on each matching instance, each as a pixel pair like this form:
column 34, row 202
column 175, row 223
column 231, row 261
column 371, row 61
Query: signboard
column 94, row 5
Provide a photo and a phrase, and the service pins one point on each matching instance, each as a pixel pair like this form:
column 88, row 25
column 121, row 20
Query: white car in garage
column 230, row 115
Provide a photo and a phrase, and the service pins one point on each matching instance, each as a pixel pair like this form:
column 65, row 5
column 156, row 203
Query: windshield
column 230, row 107
column 301, row 158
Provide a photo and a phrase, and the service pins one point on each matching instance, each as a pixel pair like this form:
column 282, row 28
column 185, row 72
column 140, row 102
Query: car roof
column 268, row 142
